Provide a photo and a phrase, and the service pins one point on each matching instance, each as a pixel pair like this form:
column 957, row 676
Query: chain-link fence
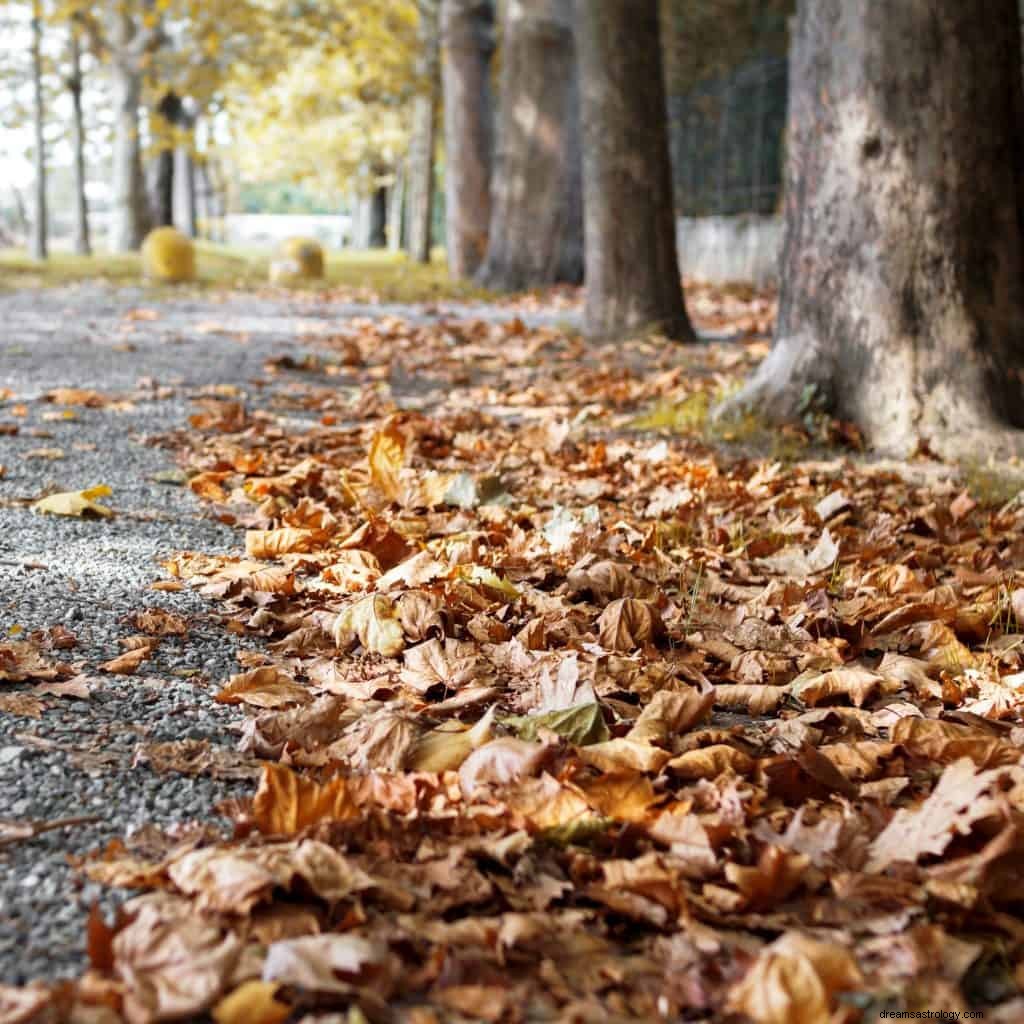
column 727, row 142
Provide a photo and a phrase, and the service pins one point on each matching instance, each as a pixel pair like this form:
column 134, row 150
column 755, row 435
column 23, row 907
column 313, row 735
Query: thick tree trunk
column 420, row 197
column 632, row 267
column 130, row 208
column 38, row 243
column 467, row 31
column 536, row 232
column 82, row 241
column 170, row 113
column 902, row 305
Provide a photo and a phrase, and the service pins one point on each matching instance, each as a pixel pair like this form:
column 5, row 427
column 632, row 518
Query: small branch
column 31, row 829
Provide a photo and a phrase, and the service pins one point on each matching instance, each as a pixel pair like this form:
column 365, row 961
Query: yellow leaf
column 252, row 1002
column 387, row 456
column 75, row 503
column 374, row 623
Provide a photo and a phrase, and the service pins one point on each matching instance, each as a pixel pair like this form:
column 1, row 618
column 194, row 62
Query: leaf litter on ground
column 560, row 720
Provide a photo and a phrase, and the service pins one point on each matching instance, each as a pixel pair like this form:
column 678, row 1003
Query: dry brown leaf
column 267, row 687
column 127, row 663
column 374, row 623
column 628, row 623
column 253, row 1002
column 955, row 806
column 795, row 980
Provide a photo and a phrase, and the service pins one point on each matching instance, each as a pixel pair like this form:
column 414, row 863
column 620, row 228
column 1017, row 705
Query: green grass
column 389, row 276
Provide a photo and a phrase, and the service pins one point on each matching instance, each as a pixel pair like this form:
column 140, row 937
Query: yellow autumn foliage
column 167, row 255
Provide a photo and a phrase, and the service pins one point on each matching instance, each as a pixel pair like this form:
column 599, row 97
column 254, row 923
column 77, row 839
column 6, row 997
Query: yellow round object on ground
column 167, row 255
column 308, row 253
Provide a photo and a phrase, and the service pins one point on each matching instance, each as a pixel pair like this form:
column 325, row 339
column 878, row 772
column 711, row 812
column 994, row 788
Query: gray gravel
column 97, row 572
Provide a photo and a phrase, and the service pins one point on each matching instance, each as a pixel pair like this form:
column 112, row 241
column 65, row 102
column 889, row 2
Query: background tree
column 902, row 305
column 82, row 237
column 424, row 141
column 38, row 246
column 536, row 228
column 467, row 34
column 632, row 267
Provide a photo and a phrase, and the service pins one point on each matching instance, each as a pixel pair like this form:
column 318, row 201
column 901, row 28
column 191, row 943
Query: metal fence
column 727, row 142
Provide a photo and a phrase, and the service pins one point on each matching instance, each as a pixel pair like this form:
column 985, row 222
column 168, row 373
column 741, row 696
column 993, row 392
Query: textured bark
column 632, row 267
column 420, row 194
column 81, row 242
column 536, row 231
column 467, row 31
column 38, row 243
column 902, row 307
column 171, row 111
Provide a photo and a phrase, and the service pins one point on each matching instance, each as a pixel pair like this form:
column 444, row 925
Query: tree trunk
column 536, row 231
column 632, row 265
column 130, row 209
column 377, row 231
column 82, row 242
column 185, row 185
column 467, row 29
column 169, row 114
column 902, row 307
column 396, row 211
column 420, row 189
column 38, row 243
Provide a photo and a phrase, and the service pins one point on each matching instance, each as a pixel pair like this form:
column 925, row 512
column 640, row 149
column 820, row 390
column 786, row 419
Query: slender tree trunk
column 396, row 211
column 130, row 212
column 420, row 199
column 902, row 306
column 536, row 231
column 185, row 186
column 169, row 115
column 377, row 230
column 38, row 245
column 82, row 241
column 632, row 267
column 467, row 30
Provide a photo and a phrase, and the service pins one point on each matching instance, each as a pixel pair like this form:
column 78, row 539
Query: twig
column 31, row 829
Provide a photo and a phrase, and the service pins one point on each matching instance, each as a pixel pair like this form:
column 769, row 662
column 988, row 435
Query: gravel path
column 89, row 575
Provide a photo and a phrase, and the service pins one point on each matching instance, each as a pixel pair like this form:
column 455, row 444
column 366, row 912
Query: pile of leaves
column 562, row 721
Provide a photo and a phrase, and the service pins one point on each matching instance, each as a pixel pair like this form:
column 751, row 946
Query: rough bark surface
column 632, row 267
column 39, row 243
column 902, row 306
column 420, row 192
column 467, row 29
column 81, row 241
column 536, row 231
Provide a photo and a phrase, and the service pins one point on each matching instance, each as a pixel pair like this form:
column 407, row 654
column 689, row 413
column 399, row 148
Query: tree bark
column 632, row 266
column 420, row 197
column 185, row 185
column 467, row 30
column 536, row 230
column 902, row 306
column 82, row 242
column 38, row 243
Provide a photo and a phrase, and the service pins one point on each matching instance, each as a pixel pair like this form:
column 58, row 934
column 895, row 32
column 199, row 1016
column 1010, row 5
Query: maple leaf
column 628, row 623
column 266, row 687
